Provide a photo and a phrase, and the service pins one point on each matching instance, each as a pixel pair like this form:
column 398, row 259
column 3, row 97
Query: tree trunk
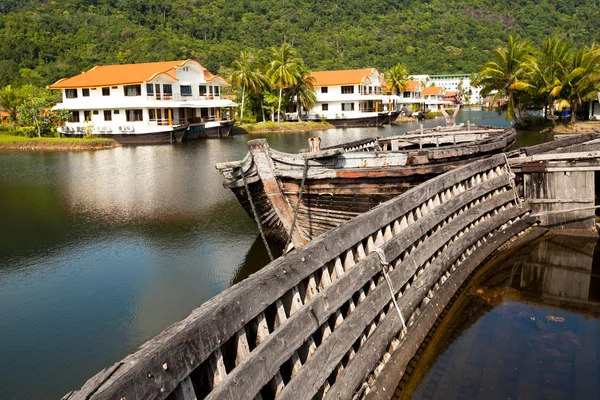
column 279, row 105
column 299, row 108
column 242, row 109
column 551, row 106
column 573, row 112
column 262, row 107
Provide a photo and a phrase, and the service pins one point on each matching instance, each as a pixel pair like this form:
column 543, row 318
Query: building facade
column 456, row 82
column 149, row 102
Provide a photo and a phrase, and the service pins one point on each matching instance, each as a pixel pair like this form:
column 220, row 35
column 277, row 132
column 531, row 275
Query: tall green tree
column 283, row 70
column 547, row 71
column 397, row 78
column 303, row 90
column 10, row 100
column 247, row 76
column 582, row 81
column 506, row 74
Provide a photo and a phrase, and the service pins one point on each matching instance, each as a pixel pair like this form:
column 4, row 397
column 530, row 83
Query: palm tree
column 506, row 74
column 547, row 71
column 303, row 90
column 246, row 75
column 582, row 81
column 10, row 100
column 283, row 70
column 397, row 78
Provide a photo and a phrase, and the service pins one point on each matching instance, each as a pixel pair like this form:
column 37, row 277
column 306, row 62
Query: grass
column 12, row 142
column 285, row 127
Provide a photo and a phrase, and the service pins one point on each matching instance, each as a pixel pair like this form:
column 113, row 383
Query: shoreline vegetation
column 281, row 127
column 22, row 143
column 566, row 128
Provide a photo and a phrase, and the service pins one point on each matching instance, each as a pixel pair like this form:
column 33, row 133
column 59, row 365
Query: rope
column 384, row 269
column 513, row 185
column 297, row 204
column 262, row 234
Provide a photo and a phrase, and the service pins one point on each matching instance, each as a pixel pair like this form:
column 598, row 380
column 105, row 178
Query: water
column 526, row 327
column 99, row 251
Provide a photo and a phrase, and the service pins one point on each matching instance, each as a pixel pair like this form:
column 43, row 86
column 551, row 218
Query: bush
column 250, row 127
column 270, row 125
column 323, row 120
column 433, row 114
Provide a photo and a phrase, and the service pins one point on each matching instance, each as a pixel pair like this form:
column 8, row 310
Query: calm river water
column 99, row 251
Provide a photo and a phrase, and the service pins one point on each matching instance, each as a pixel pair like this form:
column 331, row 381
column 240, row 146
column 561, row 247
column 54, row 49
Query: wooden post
column 468, row 125
column 218, row 114
column 170, row 116
column 421, row 128
column 259, row 149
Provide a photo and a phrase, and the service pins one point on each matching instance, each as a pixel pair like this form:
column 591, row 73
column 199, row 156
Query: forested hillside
column 64, row 37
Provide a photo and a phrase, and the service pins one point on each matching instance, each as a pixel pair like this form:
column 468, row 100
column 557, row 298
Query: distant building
column 595, row 108
column 349, row 98
column 459, row 82
column 4, row 116
column 146, row 103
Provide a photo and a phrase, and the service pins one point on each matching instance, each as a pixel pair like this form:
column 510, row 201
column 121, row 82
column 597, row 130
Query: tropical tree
column 506, row 75
column 582, row 81
column 10, row 100
column 283, row 70
column 246, row 74
column 397, row 78
column 547, row 71
column 34, row 114
column 303, row 90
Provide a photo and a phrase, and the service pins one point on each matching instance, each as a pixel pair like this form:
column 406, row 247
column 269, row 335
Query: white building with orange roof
column 146, row 103
column 350, row 98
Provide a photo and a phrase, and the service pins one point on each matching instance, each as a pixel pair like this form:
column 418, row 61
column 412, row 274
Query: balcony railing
column 181, row 97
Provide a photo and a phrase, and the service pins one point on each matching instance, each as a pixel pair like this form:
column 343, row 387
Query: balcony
column 182, row 97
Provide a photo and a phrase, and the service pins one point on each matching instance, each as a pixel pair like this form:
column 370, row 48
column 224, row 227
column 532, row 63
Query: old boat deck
column 343, row 315
column 332, row 185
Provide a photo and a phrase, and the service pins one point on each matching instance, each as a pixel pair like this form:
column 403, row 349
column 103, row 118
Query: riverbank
column 282, row 127
column 577, row 127
column 21, row 143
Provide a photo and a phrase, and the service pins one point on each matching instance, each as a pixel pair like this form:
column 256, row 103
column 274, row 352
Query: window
column 95, row 112
column 347, row 106
column 202, row 90
column 134, row 115
column 324, row 107
column 216, row 90
column 324, row 89
column 347, row 89
column 107, row 115
column 114, row 87
column 105, row 91
column 406, row 95
column 370, row 89
column 116, row 112
column 133, row 90
column 186, row 90
column 85, row 92
column 150, row 89
column 74, row 116
column 87, row 116
column 152, row 114
column 167, row 90
column 71, row 93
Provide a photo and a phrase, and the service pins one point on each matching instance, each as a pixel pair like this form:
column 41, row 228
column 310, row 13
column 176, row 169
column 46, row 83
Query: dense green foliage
column 528, row 77
column 57, row 39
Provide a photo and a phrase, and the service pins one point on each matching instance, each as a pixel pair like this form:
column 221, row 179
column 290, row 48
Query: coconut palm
column 506, row 75
column 547, row 71
column 397, row 78
column 10, row 100
column 283, row 70
column 246, row 74
column 303, row 90
column 582, row 81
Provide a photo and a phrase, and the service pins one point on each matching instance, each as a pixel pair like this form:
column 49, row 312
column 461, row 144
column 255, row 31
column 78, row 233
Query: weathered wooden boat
column 317, row 191
column 341, row 317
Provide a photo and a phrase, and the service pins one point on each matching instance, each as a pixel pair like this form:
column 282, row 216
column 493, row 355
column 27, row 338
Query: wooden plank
column 260, row 154
column 555, row 157
column 384, row 386
column 328, row 355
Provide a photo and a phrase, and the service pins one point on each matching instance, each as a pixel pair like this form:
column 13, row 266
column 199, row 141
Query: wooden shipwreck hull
column 344, row 181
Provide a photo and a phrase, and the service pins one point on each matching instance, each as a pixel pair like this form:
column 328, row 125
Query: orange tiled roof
column 412, row 86
column 432, row 90
column 110, row 75
column 343, row 77
column 4, row 113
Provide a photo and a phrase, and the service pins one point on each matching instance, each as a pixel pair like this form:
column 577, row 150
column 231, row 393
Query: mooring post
column 468, row 125
column 421, row 128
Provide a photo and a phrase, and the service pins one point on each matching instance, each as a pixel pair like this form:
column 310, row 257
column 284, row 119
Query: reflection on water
column 99, row 251
column 525, row 327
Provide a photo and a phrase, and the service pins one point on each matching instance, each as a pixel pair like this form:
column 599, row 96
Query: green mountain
column 64, row 37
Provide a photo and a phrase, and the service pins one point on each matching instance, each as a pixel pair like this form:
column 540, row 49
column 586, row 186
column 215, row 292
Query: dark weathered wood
column 376, row 345
column 309, row 380
column 260, row 154
column 393, row 371
column 554, row 145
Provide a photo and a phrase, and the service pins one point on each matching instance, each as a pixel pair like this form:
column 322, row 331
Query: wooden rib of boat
column 343, row 181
